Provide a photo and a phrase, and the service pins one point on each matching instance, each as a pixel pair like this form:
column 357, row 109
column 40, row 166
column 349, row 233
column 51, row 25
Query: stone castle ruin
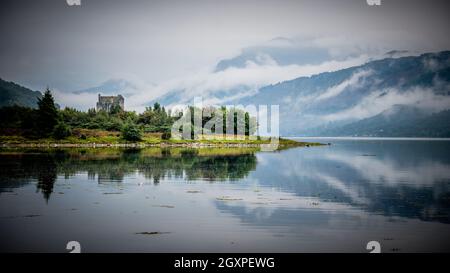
column 107, row 102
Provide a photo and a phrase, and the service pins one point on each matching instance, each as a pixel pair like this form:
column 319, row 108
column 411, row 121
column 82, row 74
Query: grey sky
column 46, row 42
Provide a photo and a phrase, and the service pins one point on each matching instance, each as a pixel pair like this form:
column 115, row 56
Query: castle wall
column 107, row 102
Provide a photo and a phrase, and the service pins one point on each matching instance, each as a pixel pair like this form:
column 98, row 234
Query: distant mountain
column 279, row 57
column 111, row 87
column 394, row 96
column 14, row 94
column 296, row 51
column 397, row 53
column 282, row 51
column 401, row 121
column 388, row 97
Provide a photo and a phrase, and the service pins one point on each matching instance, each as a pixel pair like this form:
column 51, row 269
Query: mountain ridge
column 12, row 94
column 326, row 100
column 404, row 96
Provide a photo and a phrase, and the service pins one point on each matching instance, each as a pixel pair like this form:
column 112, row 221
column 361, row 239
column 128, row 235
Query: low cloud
column 353, row 82
column 82, row 101
column 236, row 82
column 267, row 67
column 251, row 77
column 379, row 101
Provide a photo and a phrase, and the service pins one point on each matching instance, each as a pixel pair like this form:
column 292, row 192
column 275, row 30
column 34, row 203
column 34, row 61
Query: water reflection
column 113, row 165
column 408, row 179
column 332, row 198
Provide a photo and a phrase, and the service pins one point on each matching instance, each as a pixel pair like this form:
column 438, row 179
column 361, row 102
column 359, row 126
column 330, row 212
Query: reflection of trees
column 114, row 165
column 46, row 176
column 211, row 168
column 18, row 170
column 186, row 163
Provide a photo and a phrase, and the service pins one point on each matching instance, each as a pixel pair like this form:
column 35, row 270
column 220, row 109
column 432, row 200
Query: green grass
column 113, row 138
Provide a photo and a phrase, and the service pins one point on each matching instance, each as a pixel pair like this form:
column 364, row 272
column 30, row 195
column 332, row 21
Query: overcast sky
column 47, row 42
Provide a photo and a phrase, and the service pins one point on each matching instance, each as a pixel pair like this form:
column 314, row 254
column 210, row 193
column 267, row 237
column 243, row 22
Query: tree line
column 47, row 121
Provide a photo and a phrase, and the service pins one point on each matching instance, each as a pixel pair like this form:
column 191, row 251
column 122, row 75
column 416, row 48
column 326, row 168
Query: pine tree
column 47, row 114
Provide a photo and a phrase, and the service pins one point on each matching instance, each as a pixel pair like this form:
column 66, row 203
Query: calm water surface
column 319, row 199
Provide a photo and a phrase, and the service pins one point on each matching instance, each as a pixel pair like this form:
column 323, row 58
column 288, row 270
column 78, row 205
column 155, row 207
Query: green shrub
column 61, row 131
column 131, row 132
column 113, row 125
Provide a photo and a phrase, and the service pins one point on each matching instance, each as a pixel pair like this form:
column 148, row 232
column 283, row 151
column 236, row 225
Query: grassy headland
column 101, row 138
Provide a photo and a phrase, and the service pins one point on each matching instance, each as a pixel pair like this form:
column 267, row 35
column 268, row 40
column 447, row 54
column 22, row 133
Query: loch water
column 333, row 198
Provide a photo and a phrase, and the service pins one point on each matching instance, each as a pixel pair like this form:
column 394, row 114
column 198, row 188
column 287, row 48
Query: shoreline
column 161, row 145
column 282, row 143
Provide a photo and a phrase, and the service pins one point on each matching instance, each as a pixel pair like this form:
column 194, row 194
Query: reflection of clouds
column 388, row 183
column 262, row 161
column 340, row 185
column 261, row 201
column 321, row 175
column 330, row 180
column 327, row 182
column 385, row 171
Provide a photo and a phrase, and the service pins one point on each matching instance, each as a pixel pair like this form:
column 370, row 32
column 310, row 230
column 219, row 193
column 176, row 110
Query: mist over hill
column 388, row 97
column 394, row 96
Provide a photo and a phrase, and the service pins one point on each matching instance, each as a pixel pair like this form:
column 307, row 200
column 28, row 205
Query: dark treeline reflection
column 106, row 165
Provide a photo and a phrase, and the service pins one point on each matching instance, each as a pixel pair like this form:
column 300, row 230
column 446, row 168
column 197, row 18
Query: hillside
column 351, row 101
column 14, row 94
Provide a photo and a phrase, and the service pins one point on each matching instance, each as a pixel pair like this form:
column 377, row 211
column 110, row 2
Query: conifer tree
column 47, row 114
